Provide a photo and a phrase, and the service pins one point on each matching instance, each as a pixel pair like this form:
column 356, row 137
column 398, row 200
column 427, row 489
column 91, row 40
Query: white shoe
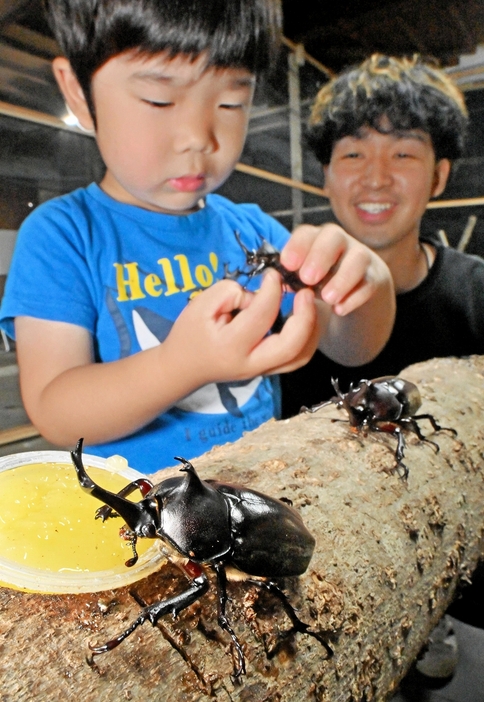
column 441, row 655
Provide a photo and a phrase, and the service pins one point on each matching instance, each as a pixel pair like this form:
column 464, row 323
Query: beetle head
column 355, row 401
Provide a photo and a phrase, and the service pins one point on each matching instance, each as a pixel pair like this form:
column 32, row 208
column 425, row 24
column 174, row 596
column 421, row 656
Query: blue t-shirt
column 125, row 274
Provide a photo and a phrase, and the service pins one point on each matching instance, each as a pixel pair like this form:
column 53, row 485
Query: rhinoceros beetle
column 266, row 256
column 206, row 523
column 387, row 404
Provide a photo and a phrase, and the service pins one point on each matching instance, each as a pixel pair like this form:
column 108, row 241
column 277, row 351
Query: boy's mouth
column 188, row 183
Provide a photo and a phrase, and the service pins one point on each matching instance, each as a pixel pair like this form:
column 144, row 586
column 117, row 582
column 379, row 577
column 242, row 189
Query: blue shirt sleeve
column 44, row 279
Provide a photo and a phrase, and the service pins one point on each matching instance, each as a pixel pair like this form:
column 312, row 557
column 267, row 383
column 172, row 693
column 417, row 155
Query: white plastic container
column 34, row 579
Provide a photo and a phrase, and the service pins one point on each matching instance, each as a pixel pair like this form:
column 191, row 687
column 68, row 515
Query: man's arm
column 357, row 298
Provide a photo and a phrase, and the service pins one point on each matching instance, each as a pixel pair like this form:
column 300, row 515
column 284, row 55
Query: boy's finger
column 298, row 336
column 256, row 319
column 221, row 300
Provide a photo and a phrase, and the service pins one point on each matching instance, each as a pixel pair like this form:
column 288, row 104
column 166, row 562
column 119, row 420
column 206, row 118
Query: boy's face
column 169, row 130
column 379, row 184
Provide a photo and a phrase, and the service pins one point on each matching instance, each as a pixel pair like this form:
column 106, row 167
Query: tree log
column 389, row 556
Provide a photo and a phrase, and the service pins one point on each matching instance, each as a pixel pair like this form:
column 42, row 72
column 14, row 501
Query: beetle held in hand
column 388, row 404
column 258, row 260
column 214, row 525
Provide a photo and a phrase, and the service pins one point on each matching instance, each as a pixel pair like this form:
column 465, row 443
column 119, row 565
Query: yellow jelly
column 47, row 520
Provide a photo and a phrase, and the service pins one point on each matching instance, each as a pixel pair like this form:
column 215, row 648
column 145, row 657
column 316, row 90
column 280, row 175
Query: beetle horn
column 193, row 479
column 131, row 512
column 244, row 249
column 187, row 466
column 335, row 384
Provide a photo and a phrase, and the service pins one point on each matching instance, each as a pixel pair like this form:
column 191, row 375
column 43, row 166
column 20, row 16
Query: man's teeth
column 374, row 207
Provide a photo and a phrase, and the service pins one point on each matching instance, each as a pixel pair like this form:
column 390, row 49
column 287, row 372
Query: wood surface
column 18, row 433
column 389, row 556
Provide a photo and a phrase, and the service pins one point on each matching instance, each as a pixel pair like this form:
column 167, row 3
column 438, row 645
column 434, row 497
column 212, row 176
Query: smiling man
column 386, row 133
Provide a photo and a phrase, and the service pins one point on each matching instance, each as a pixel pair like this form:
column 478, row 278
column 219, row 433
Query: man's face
column 379, row 184
column 169, row 130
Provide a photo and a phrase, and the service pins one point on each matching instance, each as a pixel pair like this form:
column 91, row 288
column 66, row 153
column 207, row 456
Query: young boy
column 386, row 133
column 127, row 332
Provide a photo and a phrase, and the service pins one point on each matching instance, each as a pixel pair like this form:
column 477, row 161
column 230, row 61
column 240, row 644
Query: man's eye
column 231, row 106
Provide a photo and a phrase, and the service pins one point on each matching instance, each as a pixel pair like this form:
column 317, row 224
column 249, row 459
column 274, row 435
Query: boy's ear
column 72, row 92
column 441, row 175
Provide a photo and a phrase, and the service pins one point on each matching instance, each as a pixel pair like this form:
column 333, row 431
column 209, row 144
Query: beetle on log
column 389, row 558
column 387, row 404
column 206, row 523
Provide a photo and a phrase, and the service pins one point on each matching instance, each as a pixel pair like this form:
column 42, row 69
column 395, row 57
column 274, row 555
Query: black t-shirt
column 443, row 316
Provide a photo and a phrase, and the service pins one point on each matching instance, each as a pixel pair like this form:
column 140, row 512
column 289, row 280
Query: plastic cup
column 36, row 579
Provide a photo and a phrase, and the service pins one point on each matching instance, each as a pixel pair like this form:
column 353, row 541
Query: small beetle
column 266, row 256
column 388, row 404
column 205, row 523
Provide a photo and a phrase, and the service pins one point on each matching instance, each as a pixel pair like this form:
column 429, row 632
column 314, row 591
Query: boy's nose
column 195, row 132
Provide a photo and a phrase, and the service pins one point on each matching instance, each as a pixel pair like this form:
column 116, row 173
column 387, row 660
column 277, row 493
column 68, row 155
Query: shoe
column 440, row 657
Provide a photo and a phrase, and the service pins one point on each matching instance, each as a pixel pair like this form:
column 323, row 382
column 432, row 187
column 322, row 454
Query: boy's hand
column 222, row 334
column 346, row 272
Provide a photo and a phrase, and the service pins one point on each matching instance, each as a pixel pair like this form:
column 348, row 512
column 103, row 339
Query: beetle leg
column 297, row 624
column 413, row 426
column 224, row 623
column 315, row 408
column 396, row 431
column 433, row 422
column 199, row 585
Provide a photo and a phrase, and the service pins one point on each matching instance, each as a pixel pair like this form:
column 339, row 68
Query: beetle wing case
column 269, row 538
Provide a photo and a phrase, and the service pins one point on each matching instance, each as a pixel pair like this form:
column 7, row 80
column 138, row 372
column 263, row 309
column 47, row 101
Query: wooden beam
column 32, row 40
column 20, row 433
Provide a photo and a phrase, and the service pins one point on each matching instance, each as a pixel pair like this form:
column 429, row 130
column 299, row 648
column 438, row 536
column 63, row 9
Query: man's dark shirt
column 443, row 316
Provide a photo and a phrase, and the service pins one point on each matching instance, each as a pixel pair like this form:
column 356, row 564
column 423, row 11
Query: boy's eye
column 231, row 106
column 156, row 103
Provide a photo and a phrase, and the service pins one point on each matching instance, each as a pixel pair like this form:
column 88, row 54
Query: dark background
column 38, row 162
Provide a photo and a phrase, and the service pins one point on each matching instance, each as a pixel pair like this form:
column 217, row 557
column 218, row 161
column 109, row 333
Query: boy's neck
column 409, row 262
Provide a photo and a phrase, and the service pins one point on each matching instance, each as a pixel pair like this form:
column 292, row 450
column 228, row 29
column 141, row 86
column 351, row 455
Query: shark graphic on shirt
column 151, row 329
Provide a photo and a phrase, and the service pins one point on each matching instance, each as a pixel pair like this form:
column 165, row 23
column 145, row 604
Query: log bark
column 388, row 558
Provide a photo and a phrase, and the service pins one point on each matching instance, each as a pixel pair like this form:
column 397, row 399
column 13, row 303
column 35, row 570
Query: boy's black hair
column 234, row 33
column 411, row 94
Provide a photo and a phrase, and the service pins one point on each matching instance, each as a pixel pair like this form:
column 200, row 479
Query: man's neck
column 409, row 262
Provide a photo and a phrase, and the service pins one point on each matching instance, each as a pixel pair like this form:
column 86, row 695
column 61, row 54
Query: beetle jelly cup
column 42, row 508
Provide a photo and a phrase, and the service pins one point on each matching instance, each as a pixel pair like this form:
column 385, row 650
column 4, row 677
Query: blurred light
column 70, row 119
